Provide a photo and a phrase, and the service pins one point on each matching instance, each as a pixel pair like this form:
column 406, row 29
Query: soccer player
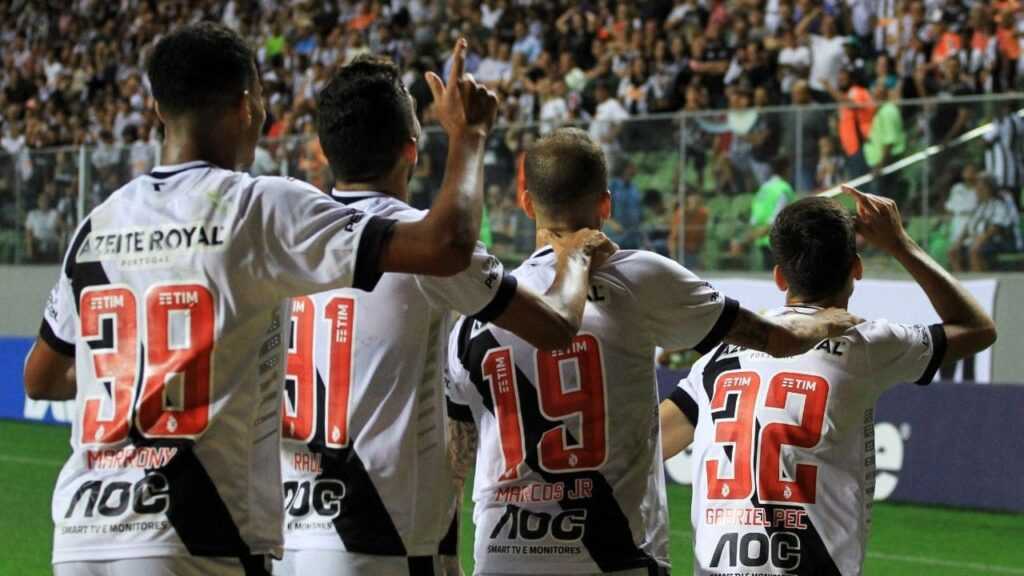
column 171, row 307
column 367, row 485
column 783, row 452
column 569, row 477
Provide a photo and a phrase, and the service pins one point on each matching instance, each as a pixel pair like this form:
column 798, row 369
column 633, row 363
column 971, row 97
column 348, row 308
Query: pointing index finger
column 458, row 61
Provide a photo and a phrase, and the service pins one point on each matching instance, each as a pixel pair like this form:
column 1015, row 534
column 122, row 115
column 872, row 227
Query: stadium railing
column 683, row 184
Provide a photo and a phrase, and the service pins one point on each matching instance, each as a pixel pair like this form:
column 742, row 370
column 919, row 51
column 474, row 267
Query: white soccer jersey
column 568, row 475
column 783, row 453
column 364, row 454
column 172, row 300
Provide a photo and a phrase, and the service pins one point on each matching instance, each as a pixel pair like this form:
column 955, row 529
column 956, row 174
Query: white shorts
column 341, row 563
column 167, row 566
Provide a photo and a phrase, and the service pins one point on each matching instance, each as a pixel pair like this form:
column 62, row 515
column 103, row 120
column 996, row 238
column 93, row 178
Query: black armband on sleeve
column 375, row 236
column 502, row 298
column 938, row 335
column 680, row 398
column 59, row 345
column 721, row 329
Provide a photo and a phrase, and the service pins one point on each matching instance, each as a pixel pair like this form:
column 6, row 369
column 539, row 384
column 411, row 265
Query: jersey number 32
column 734, row 412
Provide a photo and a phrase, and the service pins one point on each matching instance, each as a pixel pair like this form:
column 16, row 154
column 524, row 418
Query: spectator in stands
column 657, row 223
column 1005, row 141
column 828, row 52
column 886, row 141
column 794, row 61
column 854, row 119
column 829, row 167
column 770, row 199
column 988, row 231
column 947, row 120
column 962, row 200
column 813, row 124
column 693, row 221
column 627, row 209
column 43, row 231
column 607, row 122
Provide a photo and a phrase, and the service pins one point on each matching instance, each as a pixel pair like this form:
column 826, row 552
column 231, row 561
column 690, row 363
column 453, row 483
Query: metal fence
column 692, row 185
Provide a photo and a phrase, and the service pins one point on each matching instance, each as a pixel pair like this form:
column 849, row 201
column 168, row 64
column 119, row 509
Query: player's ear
column 858, row 268
column 410, row 151
column 527, row 203
column 780, row 280
column 605, row 205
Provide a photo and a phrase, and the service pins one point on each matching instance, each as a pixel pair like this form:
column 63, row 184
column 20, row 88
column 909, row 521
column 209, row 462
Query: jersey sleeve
column 456, row 374
column 483, row 290
column 684, row 396
column 681, row 310
column 312, row 243
column 58, row 326
column 902, row 352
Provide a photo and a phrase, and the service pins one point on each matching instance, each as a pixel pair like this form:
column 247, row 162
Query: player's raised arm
column 967, row 328
column 549, row 321
column 442, row 242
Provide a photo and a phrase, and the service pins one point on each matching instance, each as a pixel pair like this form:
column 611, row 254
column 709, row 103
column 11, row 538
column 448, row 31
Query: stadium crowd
column 72, row 75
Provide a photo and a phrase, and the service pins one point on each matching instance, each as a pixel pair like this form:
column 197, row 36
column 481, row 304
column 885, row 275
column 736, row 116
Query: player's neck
column 829, row 302
column 181, row 146
column 561, row 228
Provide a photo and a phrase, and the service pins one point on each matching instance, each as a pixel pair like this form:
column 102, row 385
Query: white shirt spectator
column 44, row 225
column 106, row 155
column 553, row 114
column 828, row 56
column 961, row 202
column 607, row 117
column 797, row 57
column 493, row 70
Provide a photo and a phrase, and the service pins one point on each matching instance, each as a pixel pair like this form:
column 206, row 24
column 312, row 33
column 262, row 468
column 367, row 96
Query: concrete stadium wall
column 24, row 289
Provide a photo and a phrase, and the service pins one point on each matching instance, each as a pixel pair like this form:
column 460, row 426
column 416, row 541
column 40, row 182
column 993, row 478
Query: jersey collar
column 353, row 196
column 541, row 252
column 175, row 169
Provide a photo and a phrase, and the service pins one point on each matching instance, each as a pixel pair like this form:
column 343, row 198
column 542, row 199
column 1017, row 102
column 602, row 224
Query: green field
column 910, row 540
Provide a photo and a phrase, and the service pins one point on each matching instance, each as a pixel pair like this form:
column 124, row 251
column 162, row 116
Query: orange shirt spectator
column 1009, row 47
column 948, row 44
column 855, row 120
column 363, row 20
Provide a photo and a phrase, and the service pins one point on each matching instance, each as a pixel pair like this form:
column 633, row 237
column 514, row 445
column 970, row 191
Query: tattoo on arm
column 462, row 444
column 750, row 331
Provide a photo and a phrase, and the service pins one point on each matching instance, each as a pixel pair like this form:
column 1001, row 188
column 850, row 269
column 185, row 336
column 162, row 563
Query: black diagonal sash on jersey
column 815, row 559
column 607, row 535
column 363, row 522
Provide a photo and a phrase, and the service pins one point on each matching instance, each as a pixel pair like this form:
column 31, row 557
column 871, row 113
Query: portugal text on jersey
column 364, row 461
column 568, row 474
column 172, row 301
column 783, row 452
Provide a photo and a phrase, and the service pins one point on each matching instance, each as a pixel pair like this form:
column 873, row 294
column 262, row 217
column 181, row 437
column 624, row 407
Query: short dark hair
column 563, row 167
column 365, row 116
column 199, row 67
column 814, row 243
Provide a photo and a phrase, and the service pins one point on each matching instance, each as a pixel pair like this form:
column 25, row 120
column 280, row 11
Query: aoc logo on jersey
column 321, row 497
column 150, row 495
column 521, row 524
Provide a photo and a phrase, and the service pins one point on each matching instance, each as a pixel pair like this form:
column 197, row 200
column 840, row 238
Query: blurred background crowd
column 712, row 113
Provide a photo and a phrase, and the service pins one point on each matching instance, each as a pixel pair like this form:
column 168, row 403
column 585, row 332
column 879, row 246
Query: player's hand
column 835, row 321
column 878, row 221
column 462, row 105
column 591, row 243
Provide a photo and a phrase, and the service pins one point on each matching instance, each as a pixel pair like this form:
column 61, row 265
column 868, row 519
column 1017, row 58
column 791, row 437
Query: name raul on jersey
column 150, row 241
